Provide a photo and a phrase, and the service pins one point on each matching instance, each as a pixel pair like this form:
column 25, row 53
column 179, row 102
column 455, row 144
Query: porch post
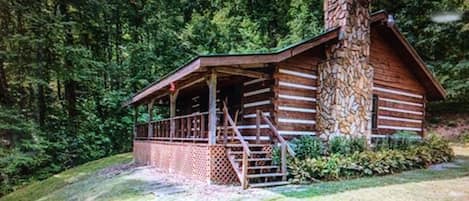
column 150, row 118
column 172, row 114
column 212, row 108
column 135, row 121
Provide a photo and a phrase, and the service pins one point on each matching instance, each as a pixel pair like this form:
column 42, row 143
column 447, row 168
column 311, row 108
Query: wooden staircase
column 251, row 158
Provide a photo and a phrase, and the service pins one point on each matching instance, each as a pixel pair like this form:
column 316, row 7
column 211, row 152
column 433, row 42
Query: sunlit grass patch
column 40, row 189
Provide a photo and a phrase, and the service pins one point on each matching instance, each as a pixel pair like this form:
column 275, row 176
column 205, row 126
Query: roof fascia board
column 441, row 91
column 186, row 70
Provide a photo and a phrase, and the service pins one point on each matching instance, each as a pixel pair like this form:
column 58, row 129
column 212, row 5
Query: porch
column 224, row 136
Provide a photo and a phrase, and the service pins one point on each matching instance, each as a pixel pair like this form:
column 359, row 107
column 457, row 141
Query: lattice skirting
column 202, row 162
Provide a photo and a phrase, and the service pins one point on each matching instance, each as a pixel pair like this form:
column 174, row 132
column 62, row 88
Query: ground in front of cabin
column 115, row 178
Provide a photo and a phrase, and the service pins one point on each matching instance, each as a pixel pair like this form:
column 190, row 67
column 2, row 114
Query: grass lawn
column 38, row 190
column 90, row 182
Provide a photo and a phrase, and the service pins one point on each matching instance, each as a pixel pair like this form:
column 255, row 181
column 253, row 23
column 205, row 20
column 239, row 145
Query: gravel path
column 165, row 186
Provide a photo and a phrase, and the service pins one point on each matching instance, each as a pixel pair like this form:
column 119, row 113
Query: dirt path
column 166, row 186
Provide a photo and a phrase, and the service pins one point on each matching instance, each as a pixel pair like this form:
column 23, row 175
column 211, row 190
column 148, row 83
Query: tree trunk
column 41, row 104
column 42, row 73
column 70, row 85
column 4, row 94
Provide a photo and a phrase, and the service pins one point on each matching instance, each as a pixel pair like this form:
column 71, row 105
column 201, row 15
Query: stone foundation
column 203, row 162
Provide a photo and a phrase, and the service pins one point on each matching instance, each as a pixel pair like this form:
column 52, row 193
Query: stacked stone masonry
column 346, row 78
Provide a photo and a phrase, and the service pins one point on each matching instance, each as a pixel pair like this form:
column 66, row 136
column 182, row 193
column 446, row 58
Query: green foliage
column 464, row 137
column 24, row 155
column 307, row 147
column 433, row 150
column 400, row 140
column 440, row 149
column 346, row 145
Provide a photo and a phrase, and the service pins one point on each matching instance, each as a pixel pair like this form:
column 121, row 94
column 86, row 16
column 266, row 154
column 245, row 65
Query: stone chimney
column 346, row 78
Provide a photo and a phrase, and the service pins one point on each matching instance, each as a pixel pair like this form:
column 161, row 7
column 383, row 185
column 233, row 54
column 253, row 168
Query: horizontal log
column 399, row 115
column 297, row 80
column 296, row 132
column 242, row 72
column 292, row 84
column 400, row 110
column 398, row 123
column 399, row 128
column 292, row 103
column 400, row 106
column 296, row 115
column 297, row 74
column 309, row 69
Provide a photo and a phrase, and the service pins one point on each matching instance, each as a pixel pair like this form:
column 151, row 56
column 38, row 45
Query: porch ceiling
column 198, row 79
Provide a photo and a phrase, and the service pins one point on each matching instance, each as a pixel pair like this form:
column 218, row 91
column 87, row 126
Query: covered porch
column 216, row 127
column 197, row 108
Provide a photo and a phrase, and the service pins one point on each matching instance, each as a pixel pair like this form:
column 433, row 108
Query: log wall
column 295, row 87
column 401, row 100
column 257, row 94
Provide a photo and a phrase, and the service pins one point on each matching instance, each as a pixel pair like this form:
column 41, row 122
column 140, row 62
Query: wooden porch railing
column 229, row 123
column 284, row 147
column 187, row 128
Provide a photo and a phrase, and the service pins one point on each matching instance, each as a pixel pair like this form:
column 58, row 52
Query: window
column 374, row 113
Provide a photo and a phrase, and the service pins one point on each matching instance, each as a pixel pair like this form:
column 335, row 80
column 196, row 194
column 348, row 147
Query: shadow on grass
column 327, row 188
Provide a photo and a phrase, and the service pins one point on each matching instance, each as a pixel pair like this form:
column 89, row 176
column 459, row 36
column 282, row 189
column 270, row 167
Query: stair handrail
column 246, row 151
column 276, row 134
column 236, row 131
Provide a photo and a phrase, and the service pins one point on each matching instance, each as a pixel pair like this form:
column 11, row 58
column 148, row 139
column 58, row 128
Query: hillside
column 116, row 178
column 62, row 184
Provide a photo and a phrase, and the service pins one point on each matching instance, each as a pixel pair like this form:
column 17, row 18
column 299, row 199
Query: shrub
column 347, row 145
column 323, row 168
column 401, row 140
column 307, row 147
column 404, row 140
column 452, row 124
column 440, row 149
column 431, row 150
column 464, row 137
column 276, row 155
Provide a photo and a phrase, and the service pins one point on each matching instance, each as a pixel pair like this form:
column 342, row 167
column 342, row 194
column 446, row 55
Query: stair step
column 251, row 138
column 254, row 159
column 252, row 152
column 265, row 175
column 268, row 184
column 262, row 167
column 249, row 145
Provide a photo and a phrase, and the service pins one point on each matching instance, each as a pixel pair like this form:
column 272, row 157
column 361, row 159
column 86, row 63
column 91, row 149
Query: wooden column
column 150, row 117
column 258, row 126
column 424, row 114
column 135, row 121
column 172, row 114
column 212, row 108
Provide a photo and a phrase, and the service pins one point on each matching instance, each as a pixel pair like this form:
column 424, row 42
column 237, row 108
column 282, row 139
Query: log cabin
column 360, row 77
